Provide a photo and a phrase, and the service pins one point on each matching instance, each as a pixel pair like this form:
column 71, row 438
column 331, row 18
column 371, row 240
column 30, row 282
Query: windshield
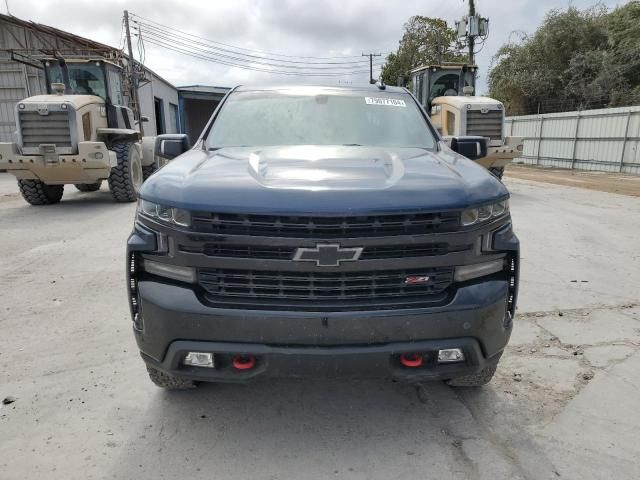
column 84, row 78
column 448, row 84
column 267, row 118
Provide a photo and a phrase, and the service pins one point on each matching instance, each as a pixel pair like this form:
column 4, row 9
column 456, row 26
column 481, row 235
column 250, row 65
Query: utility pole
column 470, row 27
column 472, row 39
column 134, row 75
column 371, row 55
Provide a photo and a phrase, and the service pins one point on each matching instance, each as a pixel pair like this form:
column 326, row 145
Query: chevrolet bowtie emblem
column 328, row 255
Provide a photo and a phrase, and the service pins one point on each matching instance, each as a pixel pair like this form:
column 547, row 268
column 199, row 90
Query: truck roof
column 321, row 88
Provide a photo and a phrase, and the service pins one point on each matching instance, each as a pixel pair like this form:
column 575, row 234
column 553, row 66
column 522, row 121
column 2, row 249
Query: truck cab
column 432, row 81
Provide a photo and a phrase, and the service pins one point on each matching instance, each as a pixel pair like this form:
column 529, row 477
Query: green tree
column 576, row 59
column 425, row 40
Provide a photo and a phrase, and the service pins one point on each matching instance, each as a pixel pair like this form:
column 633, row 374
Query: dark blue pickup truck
column 318, row 231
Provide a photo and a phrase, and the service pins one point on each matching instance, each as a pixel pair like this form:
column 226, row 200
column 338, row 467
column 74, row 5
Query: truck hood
column 78, row 101
column 322, row 180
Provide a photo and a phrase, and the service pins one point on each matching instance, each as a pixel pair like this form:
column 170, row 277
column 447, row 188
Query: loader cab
column 431, row 81
column 79, row 78
column 92, row 77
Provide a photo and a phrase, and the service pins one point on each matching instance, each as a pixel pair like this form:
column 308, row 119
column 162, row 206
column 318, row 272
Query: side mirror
column 474, row 148
column 171, row 145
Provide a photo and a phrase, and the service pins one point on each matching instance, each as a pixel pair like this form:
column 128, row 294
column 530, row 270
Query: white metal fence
column 605, row 139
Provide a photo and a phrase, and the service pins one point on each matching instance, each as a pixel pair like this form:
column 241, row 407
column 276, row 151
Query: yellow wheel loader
column 81, row 132
column 446, row 92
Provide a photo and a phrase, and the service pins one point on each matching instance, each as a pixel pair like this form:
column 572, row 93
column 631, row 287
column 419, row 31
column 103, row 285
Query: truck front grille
column 249, row 260
column 485, row 124
column 325, row 227
column 37, row 129
column 221, row 284
column 269, row 252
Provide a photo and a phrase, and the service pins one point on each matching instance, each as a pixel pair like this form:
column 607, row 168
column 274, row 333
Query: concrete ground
column 564, row 403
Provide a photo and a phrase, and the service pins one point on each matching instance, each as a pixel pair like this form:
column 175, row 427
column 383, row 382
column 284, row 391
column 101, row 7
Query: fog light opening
column 411, row 360
column 199, row 359
column 243, row 362
column 450, row 355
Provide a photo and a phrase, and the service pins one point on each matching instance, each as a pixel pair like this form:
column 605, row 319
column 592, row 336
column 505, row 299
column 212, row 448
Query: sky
column 283, row 29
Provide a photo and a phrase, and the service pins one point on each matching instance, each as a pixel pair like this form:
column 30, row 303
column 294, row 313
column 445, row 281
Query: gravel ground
column 563, row 403
column 592, row 180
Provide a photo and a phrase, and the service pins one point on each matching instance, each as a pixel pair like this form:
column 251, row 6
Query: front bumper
column 337, row 344
column 502, row 155
column 93, row 162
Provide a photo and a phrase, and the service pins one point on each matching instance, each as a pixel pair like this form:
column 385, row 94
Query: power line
column 202, row 56
column 182, row 47
column 199, row 47
column 253, row 52
column 209, row 50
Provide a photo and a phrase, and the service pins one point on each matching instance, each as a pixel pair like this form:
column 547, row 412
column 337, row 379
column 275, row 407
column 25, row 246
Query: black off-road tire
column 148, row 170
column 89, row 187
column 38, row 193
column 164, row 380
column 126, row 178
column 497, row 172
column 477, row 380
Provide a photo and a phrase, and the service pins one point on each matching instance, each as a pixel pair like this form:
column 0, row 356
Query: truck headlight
column 162, row 213
column 474, row 216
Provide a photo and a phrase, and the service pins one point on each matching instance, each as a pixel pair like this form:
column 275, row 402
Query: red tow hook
column 411, row 360
column 243, row 362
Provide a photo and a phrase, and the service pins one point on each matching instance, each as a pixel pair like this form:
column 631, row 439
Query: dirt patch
column 541, row 372
column 601, row 181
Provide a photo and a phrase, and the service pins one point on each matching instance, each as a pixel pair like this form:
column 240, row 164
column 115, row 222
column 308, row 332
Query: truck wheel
column 164, row 380
column 148, row 170
column 37, row 193
column 89, row 187
column 477, row 380
column 497, row 172
column 126, row 178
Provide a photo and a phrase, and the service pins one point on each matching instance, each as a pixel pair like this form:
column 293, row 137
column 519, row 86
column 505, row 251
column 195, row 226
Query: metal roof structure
column 63, row 43
column 63, row 40
column 204, row 89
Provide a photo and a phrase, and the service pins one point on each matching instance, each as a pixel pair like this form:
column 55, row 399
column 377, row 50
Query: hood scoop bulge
column 324, row 168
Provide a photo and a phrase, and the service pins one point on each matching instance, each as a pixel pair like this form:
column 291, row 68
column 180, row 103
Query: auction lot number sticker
column 392, row 102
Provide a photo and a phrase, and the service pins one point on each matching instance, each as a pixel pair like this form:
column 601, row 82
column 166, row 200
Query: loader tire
column 148, row 170
column 36, row 192
column 89, row 187
column 497, row 172
column 126, row 177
